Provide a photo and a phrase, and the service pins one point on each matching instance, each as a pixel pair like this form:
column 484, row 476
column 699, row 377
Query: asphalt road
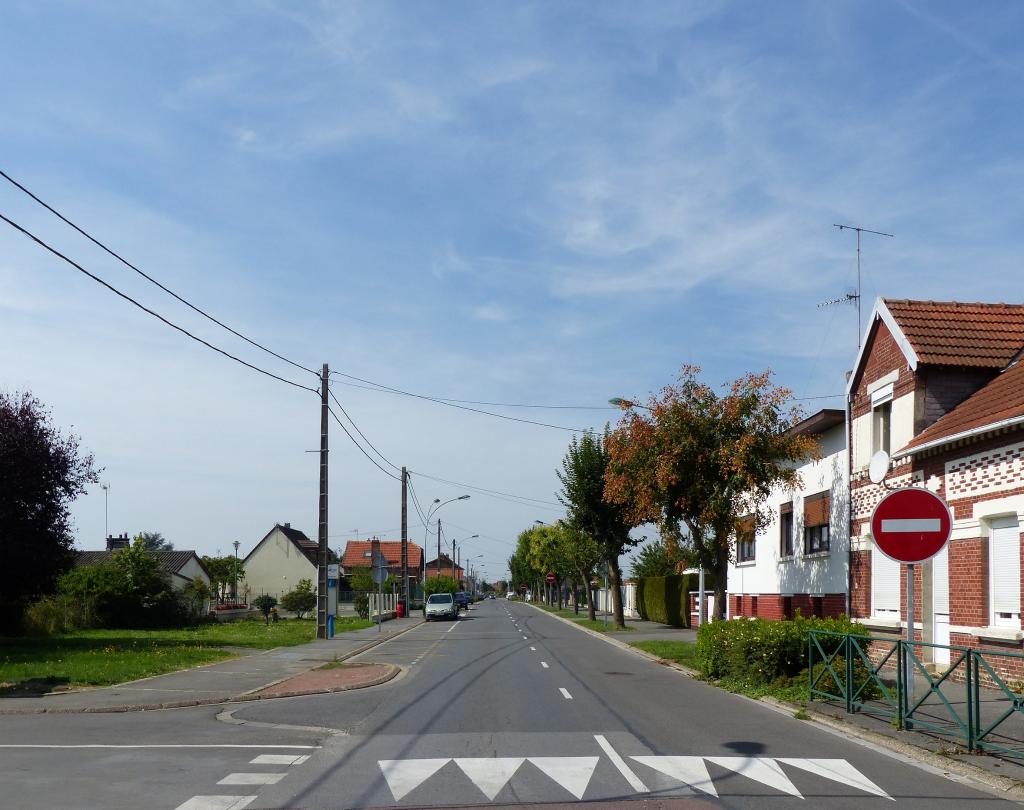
column 505, row 706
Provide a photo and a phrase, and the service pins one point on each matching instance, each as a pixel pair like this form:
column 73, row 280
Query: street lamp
column 626, row 404
column 454, row 550
column 106, row 511
column 438, row 503
column 234, row 583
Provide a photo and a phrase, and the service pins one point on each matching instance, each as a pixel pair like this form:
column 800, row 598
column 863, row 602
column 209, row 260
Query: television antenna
column 854, row 296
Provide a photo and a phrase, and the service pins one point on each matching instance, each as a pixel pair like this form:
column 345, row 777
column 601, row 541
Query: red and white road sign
column 911, row 525
column 550, row 579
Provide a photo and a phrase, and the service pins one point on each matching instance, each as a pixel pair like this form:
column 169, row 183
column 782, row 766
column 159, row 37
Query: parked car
column 463, row 600
column 491, row 596
column 441, row 606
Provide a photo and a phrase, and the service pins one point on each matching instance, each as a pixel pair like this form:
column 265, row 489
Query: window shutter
column 1005, row 557
column 885, row 583
column 816, row 509
column 786, row 508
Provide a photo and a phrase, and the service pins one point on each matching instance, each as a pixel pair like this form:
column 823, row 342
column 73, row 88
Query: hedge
column 758, row 651
column 665, row 599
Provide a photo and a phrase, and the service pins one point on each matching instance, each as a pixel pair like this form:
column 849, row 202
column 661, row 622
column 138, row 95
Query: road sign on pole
column 550, row 579
column 911, row 526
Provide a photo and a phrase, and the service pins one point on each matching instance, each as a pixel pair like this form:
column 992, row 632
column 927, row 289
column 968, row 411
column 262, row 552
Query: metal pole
column 700, row 596
column 405, row 539
column 321, row 597
column 909, row 673
column 437, row 566
column 453, row 561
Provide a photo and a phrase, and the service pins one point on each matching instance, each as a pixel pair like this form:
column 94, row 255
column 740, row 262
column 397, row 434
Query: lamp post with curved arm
column 454, row 551
column 438, row 503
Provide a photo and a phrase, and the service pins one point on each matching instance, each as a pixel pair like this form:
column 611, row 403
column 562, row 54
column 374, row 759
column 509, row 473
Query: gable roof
column 357, row 552
column 446, row 565
column 309, row 548
column 170, row 561
column 952, row 333
column 999, row 404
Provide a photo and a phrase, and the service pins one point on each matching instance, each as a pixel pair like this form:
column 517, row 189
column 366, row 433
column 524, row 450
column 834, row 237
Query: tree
column 224, row 573
column 302, row 600
column 706, row 462
column 154, row 541
column 264, row 604
column 195, row 595
column 41, row 474
column 607, row 522
column 520, row 564
column 659, row 559
column 582, row 554
column 441, row 584
column 360, row 580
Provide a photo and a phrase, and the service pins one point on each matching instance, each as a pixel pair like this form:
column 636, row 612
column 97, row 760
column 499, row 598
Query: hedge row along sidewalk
column 981, row 770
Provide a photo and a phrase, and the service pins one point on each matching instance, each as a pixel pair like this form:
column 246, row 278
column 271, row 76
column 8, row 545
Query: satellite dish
column 879, row 467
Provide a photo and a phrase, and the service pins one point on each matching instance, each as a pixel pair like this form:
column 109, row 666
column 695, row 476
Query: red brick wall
column 860, row 584
column 968, row 582
column 772, row 605
column 883, row 356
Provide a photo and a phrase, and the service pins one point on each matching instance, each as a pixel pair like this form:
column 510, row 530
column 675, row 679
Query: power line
column 147, row 310
column 484, row 491
column 451, row 404
column 368, row 442
column 823, row 396
column 373, row 461
column 148, row 277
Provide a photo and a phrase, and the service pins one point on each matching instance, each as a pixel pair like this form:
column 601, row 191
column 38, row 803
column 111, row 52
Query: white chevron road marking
column 689, row 770
column 838, row 770
column 572, row 773
column 403, row 775
column 490, row 775
column 760, row 769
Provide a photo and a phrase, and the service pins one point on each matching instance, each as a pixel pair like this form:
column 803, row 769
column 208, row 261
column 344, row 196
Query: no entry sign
column 550, row 578
column 911, row 525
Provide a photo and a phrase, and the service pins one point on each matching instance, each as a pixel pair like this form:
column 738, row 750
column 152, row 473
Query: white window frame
column 877, row 612
column 881, row 400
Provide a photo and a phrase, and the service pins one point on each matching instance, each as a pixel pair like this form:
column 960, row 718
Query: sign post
column 911, row 526
column 380, row 574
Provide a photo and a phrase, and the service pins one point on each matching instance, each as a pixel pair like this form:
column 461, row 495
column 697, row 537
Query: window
column 885, row 585
column 786, row 530
column 816, row 523
column 787, row 607
column 745, row 540
column 881, row 419
column 1004, row 557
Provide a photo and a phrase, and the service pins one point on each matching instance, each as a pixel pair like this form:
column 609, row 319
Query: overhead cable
column 368, row 442
column 147, row 310
column 148, row 277
column 373, row 461
column 484, row 491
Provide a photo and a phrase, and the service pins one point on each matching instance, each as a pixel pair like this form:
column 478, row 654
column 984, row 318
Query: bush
column 665, row 599
column 361, row 602
column 300, row 601
column 440, row 584
column 759, row 651
column 264, row 604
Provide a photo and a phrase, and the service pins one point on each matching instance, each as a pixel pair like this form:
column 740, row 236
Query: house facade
column 798, row 560
column 939, row 387
column 359, row 554
column 445, row 567
column 182, row 566
column 277, row 563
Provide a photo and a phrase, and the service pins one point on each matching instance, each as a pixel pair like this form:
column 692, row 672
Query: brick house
column 359, row 554
column 939, row 387
column 798, row 560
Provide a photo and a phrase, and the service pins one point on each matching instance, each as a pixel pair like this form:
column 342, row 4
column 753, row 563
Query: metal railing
column 972, row 700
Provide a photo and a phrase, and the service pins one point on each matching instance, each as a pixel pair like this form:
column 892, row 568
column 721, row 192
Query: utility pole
column 453, row 561
column 405, row 540
column 438, row 566
column 321, row 592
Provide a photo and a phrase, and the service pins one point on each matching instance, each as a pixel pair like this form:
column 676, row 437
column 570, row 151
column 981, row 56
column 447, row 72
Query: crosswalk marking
column 251, row 779
column 217, row 803
column 279, row 759
column 689, row 770
column 760, row 769
column 572, row 773
column 403, row 775
column 490, row 775
column 838, row 770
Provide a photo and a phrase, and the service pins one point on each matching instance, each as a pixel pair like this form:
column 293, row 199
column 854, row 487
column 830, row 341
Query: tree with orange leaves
column 706, row 462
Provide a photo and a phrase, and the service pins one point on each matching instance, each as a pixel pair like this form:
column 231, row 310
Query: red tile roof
column 1000, row 400
column 357, row 554
column 952, row 333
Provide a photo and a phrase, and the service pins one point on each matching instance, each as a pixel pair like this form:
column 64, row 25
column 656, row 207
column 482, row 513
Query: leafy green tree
column 195, row 595
column 441, row 584
column 224, row 573
column 521, row 566
column 582, row 554
column 659, row 559
column 607, row 522
column 154, row 541
column 264, row 604
column 705, row 462
column 41, row 474
column 360, row 580
column 301, row 600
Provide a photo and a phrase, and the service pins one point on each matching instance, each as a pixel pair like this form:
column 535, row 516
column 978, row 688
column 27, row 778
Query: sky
column 534, row 203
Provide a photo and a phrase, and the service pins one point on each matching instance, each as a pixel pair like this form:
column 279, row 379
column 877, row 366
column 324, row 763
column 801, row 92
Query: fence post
column 900, row 685
column 810, row 665
column 971, row 687
column 848, row 643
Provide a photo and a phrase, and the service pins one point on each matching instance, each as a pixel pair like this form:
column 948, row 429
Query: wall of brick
column 860, row 584
column 945, row 388
column 883, row 356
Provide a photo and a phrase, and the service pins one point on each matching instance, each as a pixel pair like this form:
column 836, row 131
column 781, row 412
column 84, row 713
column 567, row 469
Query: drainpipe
column 849, row 503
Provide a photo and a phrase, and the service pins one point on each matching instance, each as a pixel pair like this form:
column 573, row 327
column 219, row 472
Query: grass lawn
column 104, row 657
column 682, row 652
column 567, row 613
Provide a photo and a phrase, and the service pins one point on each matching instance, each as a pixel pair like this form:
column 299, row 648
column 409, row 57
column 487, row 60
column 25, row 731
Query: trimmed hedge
column 759, row 651
column 665, row 599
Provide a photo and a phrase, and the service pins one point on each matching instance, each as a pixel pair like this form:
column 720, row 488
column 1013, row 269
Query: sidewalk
column 236, row 679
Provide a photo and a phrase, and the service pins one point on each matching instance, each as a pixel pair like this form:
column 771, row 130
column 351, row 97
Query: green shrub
column 759, row 651
column 300, row 601
column 361, row 602
column 264, row 604
column 665, row 599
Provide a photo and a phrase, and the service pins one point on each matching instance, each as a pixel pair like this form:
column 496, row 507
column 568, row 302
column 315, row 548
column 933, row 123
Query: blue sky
column 544, row 203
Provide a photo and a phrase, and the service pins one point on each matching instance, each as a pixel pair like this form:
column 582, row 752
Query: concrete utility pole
column 405, row 539
column 438, row 566
column 321, row 592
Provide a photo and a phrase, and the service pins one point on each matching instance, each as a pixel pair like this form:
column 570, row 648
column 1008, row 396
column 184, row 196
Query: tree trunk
column 576, row 597
column 614, row 583
column 590, row 595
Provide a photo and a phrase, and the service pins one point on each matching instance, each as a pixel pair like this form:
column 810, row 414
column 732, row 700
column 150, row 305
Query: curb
column 244, row 697
column 391, row 672
column 1003, row 786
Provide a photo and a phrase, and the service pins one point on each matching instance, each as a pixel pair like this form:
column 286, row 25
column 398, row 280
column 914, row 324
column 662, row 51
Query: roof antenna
column 850, row 297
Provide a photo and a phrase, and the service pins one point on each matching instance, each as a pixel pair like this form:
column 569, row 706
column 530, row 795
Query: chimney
column 287, row 525
column 115, row 543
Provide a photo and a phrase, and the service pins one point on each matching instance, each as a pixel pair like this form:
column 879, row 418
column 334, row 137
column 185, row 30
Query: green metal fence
column 971, row 701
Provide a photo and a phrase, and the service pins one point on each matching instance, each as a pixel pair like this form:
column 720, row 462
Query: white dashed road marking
column 279, row 759
column 565, row 693
column 534, row 649
column 544, row 664
column 217, row 803
column 252, row 779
